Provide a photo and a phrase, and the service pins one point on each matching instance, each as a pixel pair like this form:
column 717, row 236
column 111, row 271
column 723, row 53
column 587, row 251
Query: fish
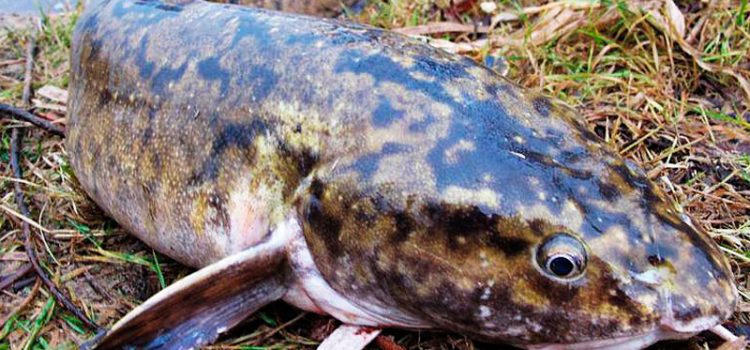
column 355, row 172
column 319, row 8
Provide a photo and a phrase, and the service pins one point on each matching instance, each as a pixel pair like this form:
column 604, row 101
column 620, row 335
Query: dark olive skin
column 319, row 8
column 423, row 182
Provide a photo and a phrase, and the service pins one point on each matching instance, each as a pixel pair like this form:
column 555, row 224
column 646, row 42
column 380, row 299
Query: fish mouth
column 619, row 343
column 673, row 325
column 669, row 329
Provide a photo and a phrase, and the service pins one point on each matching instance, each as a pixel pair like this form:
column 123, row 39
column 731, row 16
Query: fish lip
column 639, row 341
column 670, row 323
column 694, row 326
column 668, row 329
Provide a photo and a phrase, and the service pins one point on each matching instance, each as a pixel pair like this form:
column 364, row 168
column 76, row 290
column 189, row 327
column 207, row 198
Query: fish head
column 517, row 227
column 576, row 282
column 549, row 242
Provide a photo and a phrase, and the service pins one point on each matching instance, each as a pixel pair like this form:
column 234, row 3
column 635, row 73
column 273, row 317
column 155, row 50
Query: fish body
column 320, row 8
column 374, row 178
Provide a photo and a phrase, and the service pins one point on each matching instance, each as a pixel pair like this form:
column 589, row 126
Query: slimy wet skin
column 356, row 172
column 318, row 8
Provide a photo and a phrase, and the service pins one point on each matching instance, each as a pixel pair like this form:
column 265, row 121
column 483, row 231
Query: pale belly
column 310, row 291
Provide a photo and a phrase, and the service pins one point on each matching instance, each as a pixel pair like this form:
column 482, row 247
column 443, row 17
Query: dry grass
column 669, row 98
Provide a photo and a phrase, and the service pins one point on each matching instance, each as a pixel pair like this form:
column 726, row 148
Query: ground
column 665, row 84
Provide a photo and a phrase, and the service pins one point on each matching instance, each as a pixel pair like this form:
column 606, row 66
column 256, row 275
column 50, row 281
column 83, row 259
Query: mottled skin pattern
column 322, row 8
column 423, row 182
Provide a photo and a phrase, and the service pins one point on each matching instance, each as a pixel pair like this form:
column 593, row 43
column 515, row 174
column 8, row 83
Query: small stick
column 26, row 96
column 30, row 50
column 23, row 115
column 8, row 281
column 20, row 285
column 15, row 164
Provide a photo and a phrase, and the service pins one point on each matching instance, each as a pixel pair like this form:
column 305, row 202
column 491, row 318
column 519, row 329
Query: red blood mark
column 462, row 6
column 366, row 330
column 458, row 7
column 53, row 117
column 49, row 116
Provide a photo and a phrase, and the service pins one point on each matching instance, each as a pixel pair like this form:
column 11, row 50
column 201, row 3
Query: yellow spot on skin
column 524, row 294
column 303, row 127
column 570, row 217
column 627, row 203
column 420, row 75
column 614, row 238
column 465, row 283
column 484, row 261
column 487, row 177
column 650, row 300
column 198, row 215
column 461, row 195
column 452, row 153
column 534, row 182
column 405, row 61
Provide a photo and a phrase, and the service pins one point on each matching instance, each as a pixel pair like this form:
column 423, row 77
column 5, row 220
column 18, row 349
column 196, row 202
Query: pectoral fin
column 196, row 309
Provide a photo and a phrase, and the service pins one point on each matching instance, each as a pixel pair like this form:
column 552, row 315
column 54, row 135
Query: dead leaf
column 671, row 27
column 503, row 17
column 556, row 19
column 53, row 93
column 454, row 47
column 441, row 27
column 675, row 17
column 488, row 6
column 570, row 4
column 38, row 104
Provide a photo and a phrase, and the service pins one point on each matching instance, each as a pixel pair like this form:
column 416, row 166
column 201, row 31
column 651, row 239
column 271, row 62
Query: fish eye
column 561, row 265
column 562, row 256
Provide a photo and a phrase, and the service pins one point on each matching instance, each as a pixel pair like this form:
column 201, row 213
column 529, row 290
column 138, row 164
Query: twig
column 20, row 285
column 23, row 115
column 97, row 288
column 28, row 75
column 279, row 328
column 576, row 5
column 15, row 276
column 10, row 62
column 441, row 27
column 28, row 242
column 15, row 214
